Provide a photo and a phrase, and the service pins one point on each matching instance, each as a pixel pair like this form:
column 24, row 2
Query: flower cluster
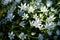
column 33, row 19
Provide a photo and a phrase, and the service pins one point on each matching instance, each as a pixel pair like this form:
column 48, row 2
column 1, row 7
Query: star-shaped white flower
column 24, row 6
column 50, row 18
column 37, row 23
column 49, row 3
column 11, row 35
column 25, row 16
column 22, row 36
column 5, row 2
column 22, row 23
column 31, row 9
column 43, row 9
column 50, row 25
column 35, row 16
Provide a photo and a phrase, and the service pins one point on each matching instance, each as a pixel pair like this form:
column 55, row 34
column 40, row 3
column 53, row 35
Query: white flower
column 41, row 15
column 36, row 23
column 52, row 9
column 25, row 16
column 37, row 4
column 22, row 36
column 20, row 12
column 5, row 2
column 43, row 9
column 49, row 3
column 58, row 22
column 10, row 16
column 31, row 9
column 24, row 6
column 31, row 22
column 58, row 32
column 11, row 35
column 35, row 16
column 22, row 23
column 40, row 37
column 50, row 18
column 49, row 32
column 50, row 25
